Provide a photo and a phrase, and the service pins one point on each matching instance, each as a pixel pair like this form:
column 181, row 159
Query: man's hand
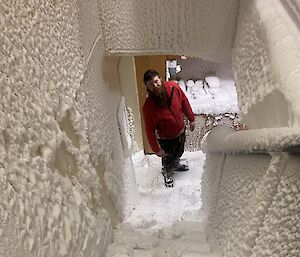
column 192, row 125
column 161, row 153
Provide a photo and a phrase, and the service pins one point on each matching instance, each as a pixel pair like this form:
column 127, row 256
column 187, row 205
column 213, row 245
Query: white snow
column 168, row 222
column 161, row 206
column 183, row 239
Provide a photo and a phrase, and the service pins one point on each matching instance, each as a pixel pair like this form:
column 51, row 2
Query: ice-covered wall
column 251, row 198
column 62, row 162
column 280, row 230
column 266, row 60
column 50, row 200
column 193, row 27
column 254, row 209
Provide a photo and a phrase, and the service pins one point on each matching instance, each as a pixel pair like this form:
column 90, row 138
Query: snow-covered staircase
column 182, row 239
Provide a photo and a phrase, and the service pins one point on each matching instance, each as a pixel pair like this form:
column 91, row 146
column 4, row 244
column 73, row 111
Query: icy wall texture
column 279, row 235
column 266, row 59
column 99, row 99
column 210, row 184
column 194, row 28
column 254, row 208
column 53, row 130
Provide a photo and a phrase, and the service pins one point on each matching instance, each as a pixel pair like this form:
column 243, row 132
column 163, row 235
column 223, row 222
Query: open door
column 143, row 63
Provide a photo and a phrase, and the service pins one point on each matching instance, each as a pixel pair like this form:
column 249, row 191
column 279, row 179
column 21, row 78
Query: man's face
column 154, row 85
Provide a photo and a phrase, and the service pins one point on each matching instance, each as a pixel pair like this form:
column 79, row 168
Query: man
column 164, row 122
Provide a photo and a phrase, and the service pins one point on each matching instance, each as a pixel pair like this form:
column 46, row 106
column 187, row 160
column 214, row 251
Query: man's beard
column 160, row 97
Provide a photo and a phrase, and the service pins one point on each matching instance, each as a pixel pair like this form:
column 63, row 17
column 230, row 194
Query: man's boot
column 168, row 180
column 180, row 166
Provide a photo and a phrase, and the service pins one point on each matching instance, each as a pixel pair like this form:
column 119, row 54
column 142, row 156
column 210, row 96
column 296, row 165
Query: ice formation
column 65, row 175
column 266, row 56
column 59, row 133
column 204, row 29
column 242, row 200
column 251, row 200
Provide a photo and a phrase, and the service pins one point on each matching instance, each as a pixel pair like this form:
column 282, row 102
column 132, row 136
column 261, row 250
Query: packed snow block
column 190, row 84
column 280, row 232
column 199, row 83
column 182, row 85
column 213, row 82
column 198, row 89
column 240, row 178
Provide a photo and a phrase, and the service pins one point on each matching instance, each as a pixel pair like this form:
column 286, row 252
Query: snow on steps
column 182, row 239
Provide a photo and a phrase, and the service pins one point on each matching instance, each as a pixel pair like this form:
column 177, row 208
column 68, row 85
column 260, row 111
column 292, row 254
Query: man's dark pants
column 173, row 149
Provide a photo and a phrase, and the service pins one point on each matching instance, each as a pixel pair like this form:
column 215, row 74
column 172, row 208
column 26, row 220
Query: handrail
column 228, row 140
column 292, row 9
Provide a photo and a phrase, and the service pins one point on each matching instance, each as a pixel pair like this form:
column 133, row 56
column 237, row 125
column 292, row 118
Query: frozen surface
column 193, row 28
column 61, row 150
column 52, row 193
column 226, row 139
column 266, row 55
column 51, row 200
column 182, row 239
column 253, row 210
column 168, row 222
column 161, row 206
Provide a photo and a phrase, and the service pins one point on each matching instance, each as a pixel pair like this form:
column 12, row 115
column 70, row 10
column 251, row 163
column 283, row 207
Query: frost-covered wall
column 266, row 60
column 251, row 179
column 193, row 27
column 61, row 157
column 251, row 199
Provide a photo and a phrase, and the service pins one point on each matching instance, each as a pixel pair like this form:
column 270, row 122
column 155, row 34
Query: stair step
column 185, row 245
column 119, row 250
column 182, row 239
column 119, row 255
column 142, row 253
column 195, row 254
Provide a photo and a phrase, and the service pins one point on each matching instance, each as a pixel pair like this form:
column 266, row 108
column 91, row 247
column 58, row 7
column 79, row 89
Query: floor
column 168, row 221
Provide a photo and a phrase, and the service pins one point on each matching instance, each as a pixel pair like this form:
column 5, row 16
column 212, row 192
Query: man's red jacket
column 168, row 121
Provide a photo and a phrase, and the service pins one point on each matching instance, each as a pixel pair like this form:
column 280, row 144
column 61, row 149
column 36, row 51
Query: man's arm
column 150, row 131
column 187, row 109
